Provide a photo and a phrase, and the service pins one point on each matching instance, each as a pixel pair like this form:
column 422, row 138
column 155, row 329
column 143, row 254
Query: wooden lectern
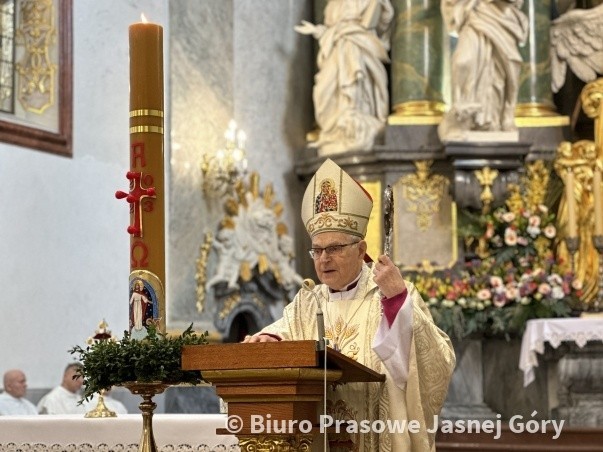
column 281, row 381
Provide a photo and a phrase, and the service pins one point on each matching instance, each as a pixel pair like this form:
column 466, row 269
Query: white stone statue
column 485, row 65
column 229, row 260
column 254, row 239
column 351, row 101
column 577, row 41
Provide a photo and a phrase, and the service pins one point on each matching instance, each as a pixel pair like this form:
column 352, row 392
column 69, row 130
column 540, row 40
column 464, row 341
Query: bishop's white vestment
column 414, row 354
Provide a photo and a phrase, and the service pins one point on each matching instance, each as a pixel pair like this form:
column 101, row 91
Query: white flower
column 543, row 208
column 462, row 302
column 433, row 301
column 480, row 306
column 487, row 303
column 557, row 293
column 448, row 303
column 533, row 230
column 508, row 216
column 522, row 241
column 525, row 301
column 510, row 237
column 550, row 231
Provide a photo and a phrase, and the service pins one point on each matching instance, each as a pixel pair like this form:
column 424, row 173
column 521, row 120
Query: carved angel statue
column 576, row 40
column 252, row 237
column 485, row 64
column 351, row 101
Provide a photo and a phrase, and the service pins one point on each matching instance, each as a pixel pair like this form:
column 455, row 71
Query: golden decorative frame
column 59, row 142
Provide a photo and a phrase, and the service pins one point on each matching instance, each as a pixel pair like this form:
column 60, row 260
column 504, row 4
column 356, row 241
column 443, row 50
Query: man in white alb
column 12, row 400
column 65, row 398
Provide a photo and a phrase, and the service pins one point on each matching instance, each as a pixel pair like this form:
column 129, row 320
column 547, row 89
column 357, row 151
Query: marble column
column 418, row 59
column 535, row 97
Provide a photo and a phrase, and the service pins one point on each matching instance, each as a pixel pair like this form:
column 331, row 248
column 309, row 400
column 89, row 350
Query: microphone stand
column 309, row 285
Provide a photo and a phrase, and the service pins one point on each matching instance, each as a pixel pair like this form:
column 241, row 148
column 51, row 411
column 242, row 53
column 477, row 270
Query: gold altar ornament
column 486, row 178
column 102, row 333
column 423, row 192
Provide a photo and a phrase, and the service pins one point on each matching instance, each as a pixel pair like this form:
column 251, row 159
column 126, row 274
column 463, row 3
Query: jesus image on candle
column 141, row 308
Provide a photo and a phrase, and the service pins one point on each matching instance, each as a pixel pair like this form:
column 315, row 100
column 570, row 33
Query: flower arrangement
column 108, row 363
column 515, row 275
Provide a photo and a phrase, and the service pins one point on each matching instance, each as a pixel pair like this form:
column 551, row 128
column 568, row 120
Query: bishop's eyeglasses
column 331, row 250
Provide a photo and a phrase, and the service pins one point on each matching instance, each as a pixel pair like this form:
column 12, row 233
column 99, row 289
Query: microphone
column 309, row 285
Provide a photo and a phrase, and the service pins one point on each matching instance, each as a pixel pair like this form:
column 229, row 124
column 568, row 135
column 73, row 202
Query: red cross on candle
column 135, row 197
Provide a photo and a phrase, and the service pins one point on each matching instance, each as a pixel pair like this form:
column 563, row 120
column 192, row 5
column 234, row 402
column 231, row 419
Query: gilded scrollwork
column 486, row 178
column 275, row 443
column 423, row 192
column 581, row 158
column 201, row 275
column 37, row 34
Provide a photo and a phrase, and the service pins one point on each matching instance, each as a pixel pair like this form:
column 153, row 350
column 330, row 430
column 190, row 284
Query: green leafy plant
column 157, row 357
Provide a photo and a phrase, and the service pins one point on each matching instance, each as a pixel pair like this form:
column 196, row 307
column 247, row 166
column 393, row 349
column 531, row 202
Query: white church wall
column 64, row 260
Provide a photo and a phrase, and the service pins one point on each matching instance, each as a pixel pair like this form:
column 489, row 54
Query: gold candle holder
column 101, row 409
column 573, row 243
column 147, row 390
column 598, row 244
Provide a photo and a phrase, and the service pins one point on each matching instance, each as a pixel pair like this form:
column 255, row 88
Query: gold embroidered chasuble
column 418, row 363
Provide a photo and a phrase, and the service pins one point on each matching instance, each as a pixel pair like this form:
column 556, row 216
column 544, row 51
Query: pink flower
column 484, row 294
column 577, row 284
column 534, row 221
column 544, row 289
column 512, row 293
column 496, row 282
column 510, row 237
column 523, row 241
column 489, row 231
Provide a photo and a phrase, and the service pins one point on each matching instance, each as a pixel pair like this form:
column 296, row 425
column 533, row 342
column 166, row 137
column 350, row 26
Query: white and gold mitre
column 333, row 201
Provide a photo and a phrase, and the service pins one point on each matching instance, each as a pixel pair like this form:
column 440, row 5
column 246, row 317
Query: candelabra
column 223, row 168
column 598, row 244
column 572, row 243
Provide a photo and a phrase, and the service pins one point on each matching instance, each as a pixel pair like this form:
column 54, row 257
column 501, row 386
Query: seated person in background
column 12, row 400
column 373, row 316
column 64, row 398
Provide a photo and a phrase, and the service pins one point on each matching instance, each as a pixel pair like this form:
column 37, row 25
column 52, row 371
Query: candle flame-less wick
column 143, row 18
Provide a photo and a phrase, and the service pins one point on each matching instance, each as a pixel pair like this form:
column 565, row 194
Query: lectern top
column 273, row 355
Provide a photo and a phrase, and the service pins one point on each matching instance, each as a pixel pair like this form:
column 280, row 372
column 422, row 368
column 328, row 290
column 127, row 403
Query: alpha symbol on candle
column 137, row 156
column 135, row 197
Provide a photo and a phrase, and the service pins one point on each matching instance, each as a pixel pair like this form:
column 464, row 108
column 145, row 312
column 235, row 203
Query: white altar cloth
column 74, row 433
column 554, row 331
